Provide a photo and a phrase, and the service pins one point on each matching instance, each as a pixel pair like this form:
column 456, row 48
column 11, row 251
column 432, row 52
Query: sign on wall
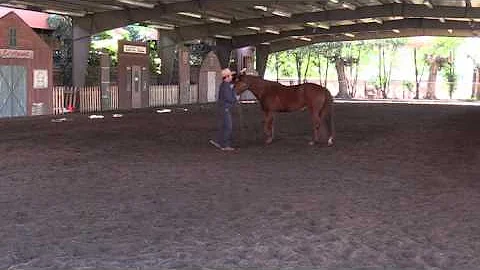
column 16, row 54
column 135, row 49
column 40, row 78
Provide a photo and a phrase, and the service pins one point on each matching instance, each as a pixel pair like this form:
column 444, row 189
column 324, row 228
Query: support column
column 223, row 50
column 184, row 74
column 105, row 61
column 166, row 51
column 81, row 46
column 261, row 58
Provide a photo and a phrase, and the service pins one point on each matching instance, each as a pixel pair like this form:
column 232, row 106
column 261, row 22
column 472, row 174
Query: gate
column 13, row 91
column 136, row 86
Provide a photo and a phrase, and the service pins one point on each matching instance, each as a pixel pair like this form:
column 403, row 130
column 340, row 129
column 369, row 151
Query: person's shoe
column 228, row 148
column 214, row 143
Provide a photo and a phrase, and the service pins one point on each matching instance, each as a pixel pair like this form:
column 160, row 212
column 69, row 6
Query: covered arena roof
column 280, row 24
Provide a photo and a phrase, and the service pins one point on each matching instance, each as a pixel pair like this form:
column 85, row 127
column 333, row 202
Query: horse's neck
column 258, row 87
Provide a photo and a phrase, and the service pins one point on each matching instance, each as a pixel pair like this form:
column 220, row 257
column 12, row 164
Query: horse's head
column 240, row 83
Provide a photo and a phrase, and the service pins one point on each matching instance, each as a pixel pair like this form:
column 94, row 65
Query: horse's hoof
column 330, row 142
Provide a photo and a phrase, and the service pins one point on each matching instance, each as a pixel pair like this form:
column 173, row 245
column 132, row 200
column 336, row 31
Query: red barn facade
column 25, row 69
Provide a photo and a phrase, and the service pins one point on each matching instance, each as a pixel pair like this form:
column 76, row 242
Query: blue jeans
column 224, row 136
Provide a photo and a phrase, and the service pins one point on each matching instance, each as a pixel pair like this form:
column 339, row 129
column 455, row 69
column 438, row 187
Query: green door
column 13, row 91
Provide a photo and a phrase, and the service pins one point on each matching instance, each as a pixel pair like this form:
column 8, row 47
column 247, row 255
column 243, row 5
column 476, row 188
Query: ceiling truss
column 278, row 24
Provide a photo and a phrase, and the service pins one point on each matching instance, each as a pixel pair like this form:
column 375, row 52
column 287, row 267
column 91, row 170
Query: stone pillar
column 166, row 51
column 105, row 61
column 261, row 58
column 209, row 78
column 81, row 46
column 184, row 74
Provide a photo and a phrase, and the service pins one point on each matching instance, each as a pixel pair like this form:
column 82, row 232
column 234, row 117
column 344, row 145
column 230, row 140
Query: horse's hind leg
column 316, row 121
column 327, row 114
column 268, row 127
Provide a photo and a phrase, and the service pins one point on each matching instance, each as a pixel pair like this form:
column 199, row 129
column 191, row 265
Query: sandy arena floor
column 400, row 190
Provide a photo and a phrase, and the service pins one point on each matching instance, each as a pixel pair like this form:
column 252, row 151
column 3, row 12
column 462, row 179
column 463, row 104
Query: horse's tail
column 327, row 113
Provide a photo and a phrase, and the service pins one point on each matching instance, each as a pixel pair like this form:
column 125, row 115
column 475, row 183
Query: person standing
column 226, row 101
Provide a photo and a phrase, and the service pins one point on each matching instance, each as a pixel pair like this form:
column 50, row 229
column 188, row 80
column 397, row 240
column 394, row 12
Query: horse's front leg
column 268, row 127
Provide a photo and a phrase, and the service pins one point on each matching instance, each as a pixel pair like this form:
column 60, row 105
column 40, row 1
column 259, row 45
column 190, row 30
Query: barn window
column 12, row 37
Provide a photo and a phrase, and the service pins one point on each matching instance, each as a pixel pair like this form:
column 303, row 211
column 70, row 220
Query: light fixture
column 220, row 20
column 223, row 36
column 305, row 38
column 271, row 31
column 254, row 28
column 163, row 26
column 263, row 8
column 370, row 20
column 428, row 3
column 137, row 3
column 265, row 43
column 319, row 25
column 398, row 1
column 334, row 1
column 348, row 6
column 20, row 6
column 282, row 13
column 349, row 34
column 190, row 14
column 63, row 12
column 396, row 31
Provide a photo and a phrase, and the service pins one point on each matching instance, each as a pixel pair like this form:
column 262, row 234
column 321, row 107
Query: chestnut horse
column 275, row 97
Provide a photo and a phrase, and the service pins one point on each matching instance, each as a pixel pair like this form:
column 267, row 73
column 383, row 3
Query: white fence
column 85, row 99
column 397, row 89
column 161, row 95
column 89, row 98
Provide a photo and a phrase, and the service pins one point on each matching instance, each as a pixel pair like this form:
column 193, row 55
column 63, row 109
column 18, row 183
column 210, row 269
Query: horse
column 275, row 97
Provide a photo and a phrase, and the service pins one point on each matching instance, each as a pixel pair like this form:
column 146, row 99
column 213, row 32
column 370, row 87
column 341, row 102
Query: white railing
column 161, row 95
column 397, row 89
column 87, row 98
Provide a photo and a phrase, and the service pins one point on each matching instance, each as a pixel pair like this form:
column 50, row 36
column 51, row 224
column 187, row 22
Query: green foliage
column 62, row 57
column 450, row 77
column 198, row 53
column 409, row 85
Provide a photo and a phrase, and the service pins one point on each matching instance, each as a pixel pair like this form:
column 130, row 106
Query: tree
column 299, row 55
column 62, row 57
column 334, row 55
column 450, row 75
column 387, row 49
column 319, row 51
column 281, row 63
column 476, row 76
column 437, row 58
column 345, row 55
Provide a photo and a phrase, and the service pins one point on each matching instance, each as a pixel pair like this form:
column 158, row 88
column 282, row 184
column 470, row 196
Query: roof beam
column 421, row 24
column 378, row 11
column 99, row 22
column 295, row 43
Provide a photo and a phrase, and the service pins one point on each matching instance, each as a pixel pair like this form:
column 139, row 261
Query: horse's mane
column 269, row 83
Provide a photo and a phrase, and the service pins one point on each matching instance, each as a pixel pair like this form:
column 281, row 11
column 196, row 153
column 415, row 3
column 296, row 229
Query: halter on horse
column 275, row 97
